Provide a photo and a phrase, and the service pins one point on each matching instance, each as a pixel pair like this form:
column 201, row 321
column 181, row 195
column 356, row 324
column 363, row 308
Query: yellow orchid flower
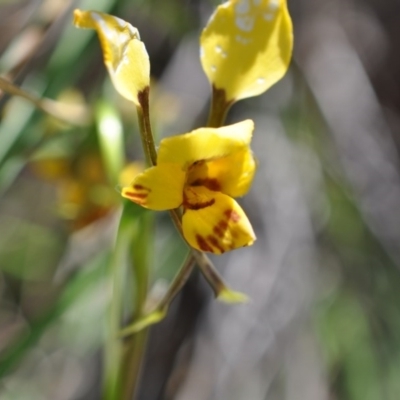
column 246, row 47
column 125, row 56
column 202, row 171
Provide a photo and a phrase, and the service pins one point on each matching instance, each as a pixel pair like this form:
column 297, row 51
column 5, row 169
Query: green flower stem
column 221, row 290
column 219, row 108
column 209, row 272
column 135, row 345
column 113, row 348
column 146, row 133
column 160, row 311
column 180, row 279
column 133, row 360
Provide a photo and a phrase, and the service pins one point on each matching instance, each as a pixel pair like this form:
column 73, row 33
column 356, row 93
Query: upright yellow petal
column 157, row 188
column 214, row 222
column 205, row 144
column 125, row 56
column 231, row 175
column 246, row 46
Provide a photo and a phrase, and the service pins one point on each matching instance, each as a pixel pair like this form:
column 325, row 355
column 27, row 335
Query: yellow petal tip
column 77, row 15
column 144, row 322
column 79, row 18
column 230, row 296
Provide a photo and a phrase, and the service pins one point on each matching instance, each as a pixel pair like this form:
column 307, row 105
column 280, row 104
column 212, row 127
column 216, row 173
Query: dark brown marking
column 214, row 242
column 198, row 162
column 232, row 215
column 140, row 187
column 217, row 230
column 223, row 225
column 213, row 184
column 203, row 243
column 198, row 206
column 209, row 183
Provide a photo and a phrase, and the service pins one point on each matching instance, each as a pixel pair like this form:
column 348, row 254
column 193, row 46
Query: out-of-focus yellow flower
column 125, row 55
column 202, row 171
column 246, row 46
column 83, row 193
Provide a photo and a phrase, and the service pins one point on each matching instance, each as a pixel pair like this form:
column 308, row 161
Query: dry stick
column 69, row 113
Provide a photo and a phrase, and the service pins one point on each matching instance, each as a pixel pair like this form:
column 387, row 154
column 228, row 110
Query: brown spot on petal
column 232, row 215
column 223, row 225
column 214, row 242
column 140, row 187
column 209, row 183
column 198, row 206
column 212, row 184
column 198, row 162
column 218, row 231
column 203, row 244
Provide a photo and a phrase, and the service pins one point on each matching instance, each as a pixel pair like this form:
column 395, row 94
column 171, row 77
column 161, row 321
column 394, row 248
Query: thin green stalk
column 219, row 108
column 179, row 280
column 142, row 129
column 159, row 312
column 146, row 134
column 135, row 345
column 113, row 348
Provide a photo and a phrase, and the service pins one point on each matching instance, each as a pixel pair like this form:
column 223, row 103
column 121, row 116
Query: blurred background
column 324, row 274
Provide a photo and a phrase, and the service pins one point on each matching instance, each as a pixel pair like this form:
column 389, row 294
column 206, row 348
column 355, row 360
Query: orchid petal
column 247, row 46
column 157, row 188
column 125, row 56
column 214, row 222
column 205, row 144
